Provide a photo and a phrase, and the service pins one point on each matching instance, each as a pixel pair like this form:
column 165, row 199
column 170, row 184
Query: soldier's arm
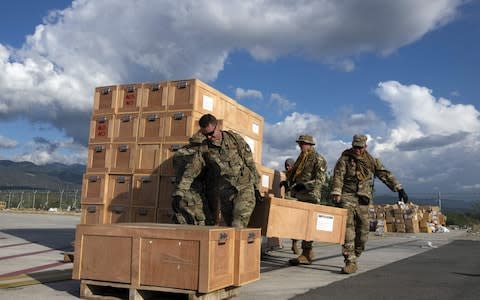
column 192, row 171
column 338, row 176
column 386, row 176
column 247, row 155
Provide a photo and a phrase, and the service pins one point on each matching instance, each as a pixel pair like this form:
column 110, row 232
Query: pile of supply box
column 409, row 218
column 135, row 129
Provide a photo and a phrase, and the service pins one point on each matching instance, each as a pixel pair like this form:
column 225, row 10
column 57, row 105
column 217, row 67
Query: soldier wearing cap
column 352, row 188
column 306, row 179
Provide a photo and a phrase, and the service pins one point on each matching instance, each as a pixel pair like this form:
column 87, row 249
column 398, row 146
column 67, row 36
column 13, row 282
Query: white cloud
column 248, row 94
column 281, row 103
column 94, row 43
column 7, row 143
column 41, row 151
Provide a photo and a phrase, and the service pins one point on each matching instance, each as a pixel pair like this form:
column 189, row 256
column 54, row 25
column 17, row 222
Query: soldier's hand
column 258, row 196
column 336, row 198
column 299, row 187
column 402, row 196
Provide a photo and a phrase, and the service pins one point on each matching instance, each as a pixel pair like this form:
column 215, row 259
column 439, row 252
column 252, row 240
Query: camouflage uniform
column 193, row 207
column 311, row 177
column 231, row 163
column 353, row 177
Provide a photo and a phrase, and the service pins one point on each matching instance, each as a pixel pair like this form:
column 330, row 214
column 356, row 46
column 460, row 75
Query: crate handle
column 182, row 84
column 126, row 118
column 118, row 209
column 152, row 118
column 130, row 89
column 99, row 148
column 102, row 119
column 175, row 147
column 123, row 148
column 178, row 115
column 91, row 209
column 154, row 87
column 142, row 211
column 146, row 179
column 106, row 91
column 93, row 178
column 222, row 238
column 251, row 237
column 120, row 179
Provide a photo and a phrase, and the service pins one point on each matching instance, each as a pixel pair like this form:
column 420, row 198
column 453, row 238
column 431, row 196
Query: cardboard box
column 300, row 220
column 247, row 255
column 199, row 258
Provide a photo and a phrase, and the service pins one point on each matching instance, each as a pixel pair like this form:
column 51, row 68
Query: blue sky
column 402, row 72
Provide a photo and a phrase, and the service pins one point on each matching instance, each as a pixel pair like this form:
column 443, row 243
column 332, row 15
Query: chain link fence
column 65, row 200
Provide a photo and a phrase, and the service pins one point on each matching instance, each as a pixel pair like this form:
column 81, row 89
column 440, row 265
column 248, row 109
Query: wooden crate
column 247, row 255
column 125, row 128
column 154, row 96
column 93, row 188
column 269, row 181
column 129, row 98
column 105, row 99
column 148, row 158
column 98, row 158
column 101, row 128
column 199, row 258
column 92, row 214
column 119, row 190
column 299, row 220
column 181, row 125
column 145, row 190
column 151, row 127
column 123, row 157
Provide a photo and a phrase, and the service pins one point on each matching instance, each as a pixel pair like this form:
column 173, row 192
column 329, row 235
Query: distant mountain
column 27, row 175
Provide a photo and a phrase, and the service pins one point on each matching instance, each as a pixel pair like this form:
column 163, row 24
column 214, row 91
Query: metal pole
column 9, row 198
column 46, row 202
column 34, row 194
column 439, row 201
column 61, row 198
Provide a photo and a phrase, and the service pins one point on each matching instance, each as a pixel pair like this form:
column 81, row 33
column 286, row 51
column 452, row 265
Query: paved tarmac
column 394, row 266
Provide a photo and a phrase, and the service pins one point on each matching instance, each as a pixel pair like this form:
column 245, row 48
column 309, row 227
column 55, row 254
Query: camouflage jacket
column 347, row 180
column 230, row 160
column 312, row 176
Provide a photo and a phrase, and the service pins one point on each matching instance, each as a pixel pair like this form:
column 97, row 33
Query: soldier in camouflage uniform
column 226, row 156
column 305, row 180
column 193, row 207
column 352, row 189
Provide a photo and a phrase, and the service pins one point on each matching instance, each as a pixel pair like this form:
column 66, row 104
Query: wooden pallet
column 92, row 289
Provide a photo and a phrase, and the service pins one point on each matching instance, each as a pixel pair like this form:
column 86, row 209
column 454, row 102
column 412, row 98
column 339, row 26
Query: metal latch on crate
column 175, row 147
column 146, row 179
column 91, row 209
column 152, row 118
column 93, row 178
column 118, row 209
column 155, row 87
column 222, row 238
column 251, row 237
column 123, row 148
column 182, row 84
column 99, row 148
column 106, row 91
column 120, row 179
column 178, row 115
column 130, row 89
column 101, row 119
column 126, row 118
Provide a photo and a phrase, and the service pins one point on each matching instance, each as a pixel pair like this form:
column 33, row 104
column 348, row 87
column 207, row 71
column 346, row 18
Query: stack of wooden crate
column 135, row 129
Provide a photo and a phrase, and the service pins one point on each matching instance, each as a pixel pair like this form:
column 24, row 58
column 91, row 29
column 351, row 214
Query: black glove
column 402, row 196
column 258, row 196
column 299, row 187
column 284, row 184
column 176, row 203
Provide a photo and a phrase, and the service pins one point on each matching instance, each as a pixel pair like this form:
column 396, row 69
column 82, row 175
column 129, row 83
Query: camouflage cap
column 359, row 140
column 305, row 138
column 289, row 162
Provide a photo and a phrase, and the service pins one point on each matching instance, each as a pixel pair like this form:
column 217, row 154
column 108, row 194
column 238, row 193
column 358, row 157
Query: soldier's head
column 289, row 162
column 305, row 142
column 208, row 127
column 359, row 143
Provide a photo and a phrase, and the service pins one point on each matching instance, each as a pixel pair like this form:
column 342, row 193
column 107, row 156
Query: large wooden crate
column 299, row 220
column 247, row 255
column 185, row 257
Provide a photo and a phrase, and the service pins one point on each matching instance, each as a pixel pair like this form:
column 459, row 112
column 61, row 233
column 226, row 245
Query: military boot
column 295, row 247
column 350, row 267
column 305, row 258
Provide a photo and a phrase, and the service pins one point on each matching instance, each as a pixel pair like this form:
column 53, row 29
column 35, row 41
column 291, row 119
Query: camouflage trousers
column 237, row 204
column 356, row 234
column 190, row 210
